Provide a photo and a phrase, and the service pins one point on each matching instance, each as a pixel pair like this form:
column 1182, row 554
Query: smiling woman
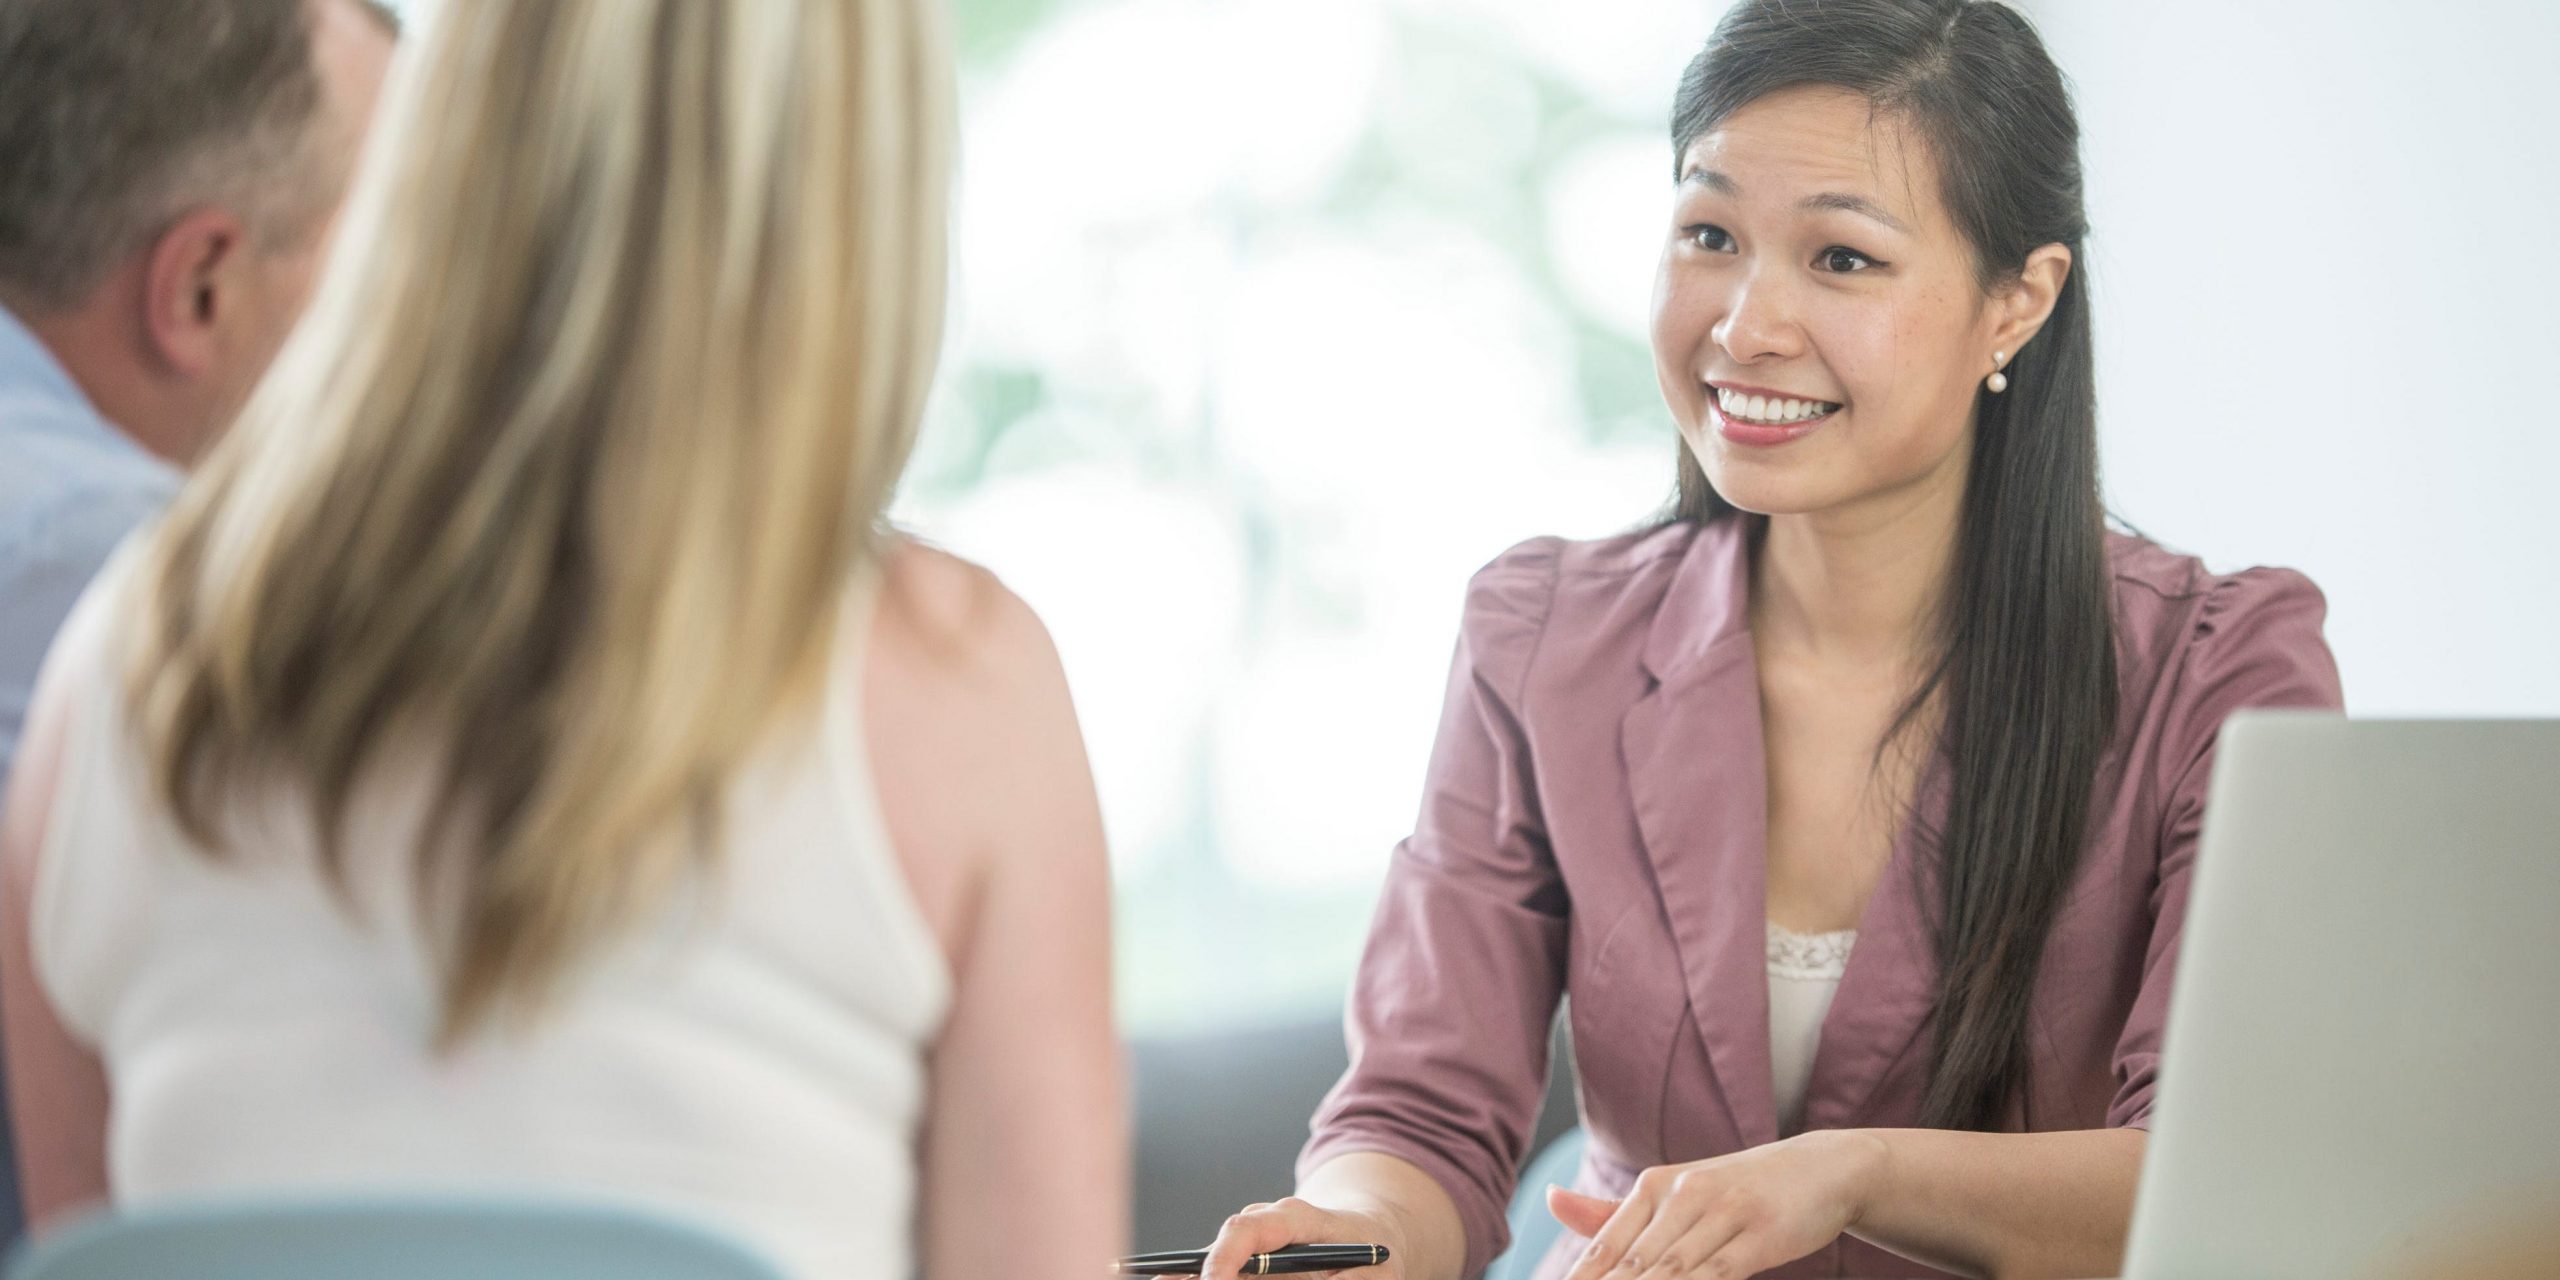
column 1854, row 803
column 1911, row 324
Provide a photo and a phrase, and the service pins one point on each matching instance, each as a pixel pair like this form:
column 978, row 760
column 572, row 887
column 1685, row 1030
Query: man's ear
column 2028, row 301
column 187, row 284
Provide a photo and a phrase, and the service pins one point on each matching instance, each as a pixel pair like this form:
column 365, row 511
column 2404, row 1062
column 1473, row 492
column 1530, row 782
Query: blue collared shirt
column 71, row 488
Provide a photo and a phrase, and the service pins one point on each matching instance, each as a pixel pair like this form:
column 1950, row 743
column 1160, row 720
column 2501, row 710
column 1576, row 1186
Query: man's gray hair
column 116, row 116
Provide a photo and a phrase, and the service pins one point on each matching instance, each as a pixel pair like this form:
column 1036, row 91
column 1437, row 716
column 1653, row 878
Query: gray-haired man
column 169, row 172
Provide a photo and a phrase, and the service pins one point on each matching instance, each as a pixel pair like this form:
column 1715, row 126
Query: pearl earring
column 1998, row 381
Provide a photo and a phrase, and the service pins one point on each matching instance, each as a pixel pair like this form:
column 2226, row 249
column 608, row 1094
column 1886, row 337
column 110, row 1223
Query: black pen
column 1294, row 1258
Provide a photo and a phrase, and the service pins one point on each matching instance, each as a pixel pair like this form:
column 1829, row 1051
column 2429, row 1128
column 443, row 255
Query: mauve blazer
column 1593, row 826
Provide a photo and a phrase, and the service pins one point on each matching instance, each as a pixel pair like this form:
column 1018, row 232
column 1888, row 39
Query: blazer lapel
column 1698, row 775
column 1697, row 768
column 1891, row 986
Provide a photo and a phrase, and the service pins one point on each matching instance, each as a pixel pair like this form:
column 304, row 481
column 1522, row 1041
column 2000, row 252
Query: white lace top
column 1804, row 973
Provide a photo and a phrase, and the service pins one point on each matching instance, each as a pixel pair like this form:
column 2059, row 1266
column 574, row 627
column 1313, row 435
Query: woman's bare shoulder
column 966, row 713
column 948, row 619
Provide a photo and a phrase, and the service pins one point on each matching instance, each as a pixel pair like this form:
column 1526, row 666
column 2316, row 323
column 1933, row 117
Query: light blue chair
column 1533, row 1229
column 387, row 1239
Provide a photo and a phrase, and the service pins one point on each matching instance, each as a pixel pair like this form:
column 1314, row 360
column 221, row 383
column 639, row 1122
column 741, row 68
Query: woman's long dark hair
column 2025, row 676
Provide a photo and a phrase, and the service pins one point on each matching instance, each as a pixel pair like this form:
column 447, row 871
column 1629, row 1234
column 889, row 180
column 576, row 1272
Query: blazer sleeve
column 2256, row 643
column 1449, row 1015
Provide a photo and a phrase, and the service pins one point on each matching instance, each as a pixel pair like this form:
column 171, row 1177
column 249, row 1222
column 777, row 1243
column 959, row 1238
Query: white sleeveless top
column 752, row 1059
column 1804, row 974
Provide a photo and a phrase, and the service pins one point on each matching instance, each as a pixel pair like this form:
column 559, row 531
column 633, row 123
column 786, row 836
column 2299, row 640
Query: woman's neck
column 1859, row 583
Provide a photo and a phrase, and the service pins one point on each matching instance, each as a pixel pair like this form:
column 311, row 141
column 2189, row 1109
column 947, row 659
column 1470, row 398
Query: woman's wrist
column 1404, row 1208
column 1386, row 1223
column 1865, row 1161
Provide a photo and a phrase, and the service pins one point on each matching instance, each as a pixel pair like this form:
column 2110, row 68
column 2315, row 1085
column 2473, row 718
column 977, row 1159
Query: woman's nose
column 1759, row 321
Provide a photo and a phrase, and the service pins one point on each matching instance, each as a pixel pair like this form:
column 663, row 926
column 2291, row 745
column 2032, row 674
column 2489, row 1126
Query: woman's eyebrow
column 1724, row 185
column 1711, row 179
column 1859, row 205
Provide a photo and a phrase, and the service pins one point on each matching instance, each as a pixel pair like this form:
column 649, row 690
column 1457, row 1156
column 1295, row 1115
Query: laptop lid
column 2362, row 1060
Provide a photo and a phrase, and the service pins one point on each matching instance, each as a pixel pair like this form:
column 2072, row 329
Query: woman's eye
column 1844, row 260
column 1708, row 236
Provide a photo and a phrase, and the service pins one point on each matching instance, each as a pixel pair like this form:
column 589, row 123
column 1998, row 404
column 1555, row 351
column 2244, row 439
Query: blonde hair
column 595, row 415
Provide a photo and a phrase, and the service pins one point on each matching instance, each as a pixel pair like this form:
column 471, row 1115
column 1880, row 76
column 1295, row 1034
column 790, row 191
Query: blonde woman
column 520, row 762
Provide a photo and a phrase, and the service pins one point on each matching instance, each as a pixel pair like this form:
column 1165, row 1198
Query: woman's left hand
column 1732, row 1216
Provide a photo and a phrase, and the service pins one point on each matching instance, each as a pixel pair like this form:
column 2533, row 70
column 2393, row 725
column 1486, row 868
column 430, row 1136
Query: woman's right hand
column 1263, row 1228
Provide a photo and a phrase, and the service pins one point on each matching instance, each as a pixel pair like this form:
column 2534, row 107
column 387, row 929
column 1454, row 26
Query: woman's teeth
column 1770, row 410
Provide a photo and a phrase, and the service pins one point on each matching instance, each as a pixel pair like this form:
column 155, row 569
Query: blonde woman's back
column 523, row 578
column 754, row 1055
column 888, row 1013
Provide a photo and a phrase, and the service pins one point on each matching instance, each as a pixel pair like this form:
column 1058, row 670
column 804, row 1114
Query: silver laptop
column 2362, row 1062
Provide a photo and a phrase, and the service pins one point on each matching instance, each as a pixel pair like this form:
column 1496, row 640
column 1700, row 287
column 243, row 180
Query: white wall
column 2326, row 249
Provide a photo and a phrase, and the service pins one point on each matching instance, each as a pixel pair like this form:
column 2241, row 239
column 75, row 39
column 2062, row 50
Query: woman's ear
column 2027, row 300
